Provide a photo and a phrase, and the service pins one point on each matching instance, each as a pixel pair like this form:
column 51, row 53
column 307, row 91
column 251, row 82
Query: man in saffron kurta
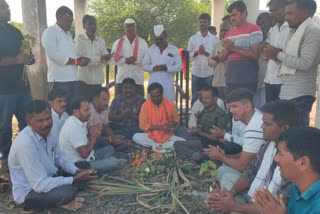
column 158, row 119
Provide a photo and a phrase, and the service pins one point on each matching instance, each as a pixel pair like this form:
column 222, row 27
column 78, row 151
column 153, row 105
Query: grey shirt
column 303, row 83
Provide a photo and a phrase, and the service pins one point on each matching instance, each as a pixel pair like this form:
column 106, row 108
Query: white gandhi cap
column 158, row 29
column 129, row 21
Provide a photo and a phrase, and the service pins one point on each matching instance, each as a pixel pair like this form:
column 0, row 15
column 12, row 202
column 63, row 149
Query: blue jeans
column 304, row 105
column 197, row 82
column 272, row 92
column 11, row 104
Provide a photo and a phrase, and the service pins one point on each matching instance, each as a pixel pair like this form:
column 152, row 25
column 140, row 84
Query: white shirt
column 59, row 47
column 200, row 66
column 93, row 73
column 237, row 132
column 130, row 71
column 33, row 161
column 198, row 107
column 58, row 121
column 73, row 135
column 170, row 57
column 253, row 135
column 276, row 38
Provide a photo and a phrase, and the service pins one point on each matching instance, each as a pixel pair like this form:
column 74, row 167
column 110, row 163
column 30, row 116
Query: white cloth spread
column 292, row 47
column 263, row 177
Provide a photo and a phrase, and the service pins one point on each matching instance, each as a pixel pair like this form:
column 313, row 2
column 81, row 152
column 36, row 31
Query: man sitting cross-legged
column 125, row 109
column 298, row 159
column 200, row 137
column 158, row 119
column 198, row 107
column 58, row 101
column 34, row 160
column 241, row 107
column 99, row 109
column 74, row 140
column 278, row 116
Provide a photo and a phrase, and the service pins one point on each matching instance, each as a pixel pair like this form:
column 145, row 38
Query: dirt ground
column 122, row 204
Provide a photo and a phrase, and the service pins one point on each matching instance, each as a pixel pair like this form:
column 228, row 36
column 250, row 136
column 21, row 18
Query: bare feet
column 74, row 205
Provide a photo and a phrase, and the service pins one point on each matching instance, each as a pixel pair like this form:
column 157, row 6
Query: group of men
column 73, row 137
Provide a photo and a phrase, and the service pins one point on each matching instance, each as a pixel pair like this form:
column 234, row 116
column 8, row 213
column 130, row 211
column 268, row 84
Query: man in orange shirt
column 158, row 119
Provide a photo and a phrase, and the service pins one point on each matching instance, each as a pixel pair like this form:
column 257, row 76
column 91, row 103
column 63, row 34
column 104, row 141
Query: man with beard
column 81, row 146
column 61, row 53
column 163, row 61
column 129, row 52
column 125, row 109
column 93, row 47
column 158, row 120
column 34, row 162
column 236, row 194
column 300, row 57
column 200, row 46
column 58, row 101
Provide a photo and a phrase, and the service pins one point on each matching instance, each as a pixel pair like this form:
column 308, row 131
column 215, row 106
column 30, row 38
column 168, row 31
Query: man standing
column 163, row 61
column 299, row 58
column 219, row 80
column 158, row 119
column 61, row 53
column 200, row 46
column 125, row 109
column 241, row 50
column 264, row 21
column 58, row 101
column 129, row 52
column 278, row 116
column 14, row 87
column 34, row 160
column 277, row 36
column 74, row 142
column 93, row 47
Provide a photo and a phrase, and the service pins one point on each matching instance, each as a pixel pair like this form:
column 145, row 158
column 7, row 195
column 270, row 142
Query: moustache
column 47, row 128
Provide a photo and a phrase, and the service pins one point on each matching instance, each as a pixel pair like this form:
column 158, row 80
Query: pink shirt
column 244, row 37
column 97, row 117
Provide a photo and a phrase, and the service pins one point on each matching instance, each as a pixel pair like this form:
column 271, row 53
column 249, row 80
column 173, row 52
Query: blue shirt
column 33, row 161
column 305, row 203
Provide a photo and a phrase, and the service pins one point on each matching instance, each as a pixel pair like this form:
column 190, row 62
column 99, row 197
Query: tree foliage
column 227, row 4
column 17, row 25
column 180, row 18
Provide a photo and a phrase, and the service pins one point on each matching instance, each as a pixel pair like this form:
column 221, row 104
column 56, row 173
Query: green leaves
column 180, row 18
column 28, row 43
column 208, row 168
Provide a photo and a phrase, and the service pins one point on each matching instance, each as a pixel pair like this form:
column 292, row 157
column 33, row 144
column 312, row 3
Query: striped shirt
column 244, row 37
column 253, row 134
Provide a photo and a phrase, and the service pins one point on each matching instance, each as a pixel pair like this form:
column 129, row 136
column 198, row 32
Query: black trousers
column 58, row 196
column 55, row 198
column 188, row 148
